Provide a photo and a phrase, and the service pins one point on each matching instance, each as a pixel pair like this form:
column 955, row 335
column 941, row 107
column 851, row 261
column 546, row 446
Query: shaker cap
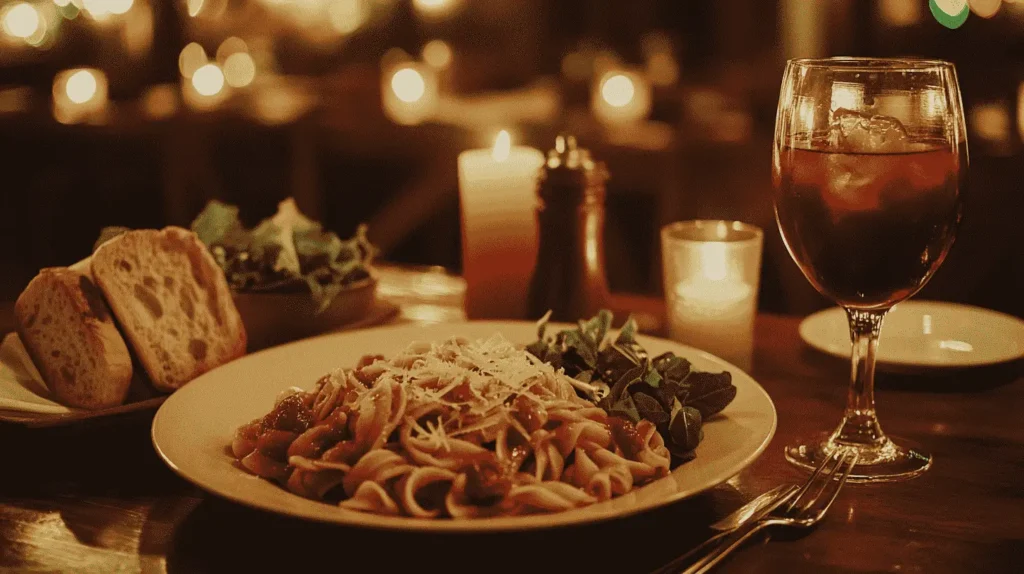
column 570, row 165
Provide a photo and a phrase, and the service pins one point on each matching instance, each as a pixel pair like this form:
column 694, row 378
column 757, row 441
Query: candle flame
column 408, row 85
column 502, row 146
column 81, row 86
column 618, row 90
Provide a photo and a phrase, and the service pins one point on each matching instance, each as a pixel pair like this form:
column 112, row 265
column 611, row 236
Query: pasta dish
column 456, row 428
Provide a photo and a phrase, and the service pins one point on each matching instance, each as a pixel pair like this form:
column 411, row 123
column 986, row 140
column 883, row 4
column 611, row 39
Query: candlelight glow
column 346, row 16
column 100, row 9
column 208, row 80
column 81, row 86
column 80, row 95
column 991, row 121
column 712, row 260
column 502, row 146
column 437, row 54
column 408, row 85
column 160, row 102
column 193, row 7
column 21, row 20
column 435, row 8
column 618, row 90
column 239, row 70
column 192, row 57
column 985, row 8
column 232, row 45
column 900, row 12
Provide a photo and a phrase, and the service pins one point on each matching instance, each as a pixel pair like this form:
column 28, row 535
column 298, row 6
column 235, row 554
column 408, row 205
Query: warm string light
column 618, row 90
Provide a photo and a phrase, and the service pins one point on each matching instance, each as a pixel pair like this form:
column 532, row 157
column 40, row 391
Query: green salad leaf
column 665, row 390
column 286, row 252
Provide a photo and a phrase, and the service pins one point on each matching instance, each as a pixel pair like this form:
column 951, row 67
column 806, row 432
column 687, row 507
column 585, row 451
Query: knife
column 754, row 510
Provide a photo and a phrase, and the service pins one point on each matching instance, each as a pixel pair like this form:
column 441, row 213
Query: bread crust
column 88, row 326
column 196, row 334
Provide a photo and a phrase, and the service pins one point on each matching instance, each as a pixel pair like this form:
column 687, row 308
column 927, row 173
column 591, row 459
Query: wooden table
column 97, row 499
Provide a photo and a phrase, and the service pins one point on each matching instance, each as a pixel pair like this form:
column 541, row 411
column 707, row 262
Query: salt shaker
column 569, row 277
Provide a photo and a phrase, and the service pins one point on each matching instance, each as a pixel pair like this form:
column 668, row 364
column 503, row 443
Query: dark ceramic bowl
column 276, row 318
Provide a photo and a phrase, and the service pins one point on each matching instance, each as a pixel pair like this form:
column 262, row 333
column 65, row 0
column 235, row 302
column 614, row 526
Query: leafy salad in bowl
column 285, row 253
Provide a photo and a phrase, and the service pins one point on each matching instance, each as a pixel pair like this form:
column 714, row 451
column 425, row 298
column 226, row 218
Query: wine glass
column 868, row 167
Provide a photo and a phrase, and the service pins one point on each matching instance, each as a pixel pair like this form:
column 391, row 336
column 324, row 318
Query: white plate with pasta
column 447, row 427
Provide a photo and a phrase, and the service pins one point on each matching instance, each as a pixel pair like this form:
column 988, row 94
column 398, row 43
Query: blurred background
column 137, row 112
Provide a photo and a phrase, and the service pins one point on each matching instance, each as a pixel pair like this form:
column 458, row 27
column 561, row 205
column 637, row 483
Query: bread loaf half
column 68, row 330
column 172, row 302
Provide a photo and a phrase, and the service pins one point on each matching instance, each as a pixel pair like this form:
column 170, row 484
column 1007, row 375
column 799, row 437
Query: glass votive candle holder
column 712, row 271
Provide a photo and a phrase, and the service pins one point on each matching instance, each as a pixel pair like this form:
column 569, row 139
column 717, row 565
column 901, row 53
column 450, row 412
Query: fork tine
column 801, row 495
column 852, row 458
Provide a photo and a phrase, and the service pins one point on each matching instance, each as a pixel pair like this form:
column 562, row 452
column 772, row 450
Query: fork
column 804, row 510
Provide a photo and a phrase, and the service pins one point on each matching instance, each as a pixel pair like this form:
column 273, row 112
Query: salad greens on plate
column 287, row 252
column 627, row 382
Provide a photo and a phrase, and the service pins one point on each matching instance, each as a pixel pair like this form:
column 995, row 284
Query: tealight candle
column 409, row 92
column 80, row 95
column 497, row 190
column 620, row 97
column 712, row 274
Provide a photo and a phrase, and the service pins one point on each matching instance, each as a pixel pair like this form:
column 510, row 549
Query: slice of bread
column 172, row 303
column 68, row 330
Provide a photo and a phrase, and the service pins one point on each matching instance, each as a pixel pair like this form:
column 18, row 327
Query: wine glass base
column 894, row 460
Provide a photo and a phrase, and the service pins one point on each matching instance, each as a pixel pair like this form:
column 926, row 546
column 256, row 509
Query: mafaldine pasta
column 457, row 429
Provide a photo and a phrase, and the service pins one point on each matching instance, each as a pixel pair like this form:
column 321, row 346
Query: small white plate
column 193, row 429
column 925, row 334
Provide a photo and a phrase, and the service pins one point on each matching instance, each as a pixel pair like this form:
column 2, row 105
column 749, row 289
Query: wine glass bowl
column 868, row 166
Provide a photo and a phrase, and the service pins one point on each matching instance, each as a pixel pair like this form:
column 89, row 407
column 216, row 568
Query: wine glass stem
column 860, row 425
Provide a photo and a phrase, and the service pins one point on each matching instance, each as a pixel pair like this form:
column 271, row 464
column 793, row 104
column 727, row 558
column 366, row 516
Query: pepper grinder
column 569, row 277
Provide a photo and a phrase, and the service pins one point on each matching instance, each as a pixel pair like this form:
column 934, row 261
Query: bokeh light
column 985, row 8
column 81, row 86
column 239, row 70
column 408, row 85
column 346, row 16
column 229, row 46
column 618, row 90
column 21, row 20
column 436, row 9
column 191, row 58
column 437, row 54
column 208, row 80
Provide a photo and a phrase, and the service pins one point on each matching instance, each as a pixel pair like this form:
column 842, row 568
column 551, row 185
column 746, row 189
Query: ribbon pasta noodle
column 457, row 429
